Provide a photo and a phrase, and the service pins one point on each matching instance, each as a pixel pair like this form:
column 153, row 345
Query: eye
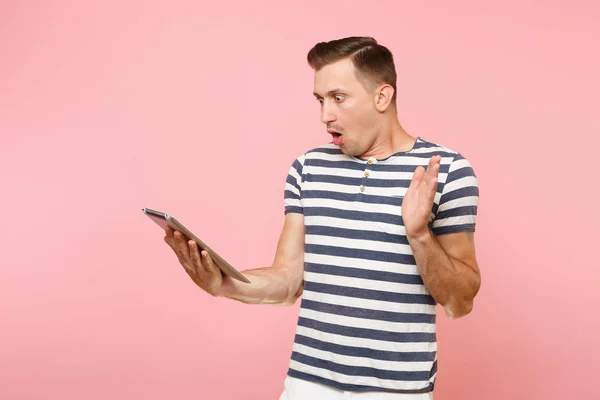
column 339, row 98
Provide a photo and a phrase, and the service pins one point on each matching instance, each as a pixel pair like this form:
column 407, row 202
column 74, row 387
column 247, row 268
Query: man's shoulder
column 453, row 161
column 432, row 148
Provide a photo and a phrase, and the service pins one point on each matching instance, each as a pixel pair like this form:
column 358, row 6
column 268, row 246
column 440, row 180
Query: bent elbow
column 456, row 310
column 294, row 296
column 290, row 301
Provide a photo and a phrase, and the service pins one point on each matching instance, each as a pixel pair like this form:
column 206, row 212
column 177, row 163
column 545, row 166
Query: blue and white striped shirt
column 366, row 320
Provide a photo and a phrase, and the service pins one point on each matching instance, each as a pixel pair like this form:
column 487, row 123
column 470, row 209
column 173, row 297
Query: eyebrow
column 329, row 93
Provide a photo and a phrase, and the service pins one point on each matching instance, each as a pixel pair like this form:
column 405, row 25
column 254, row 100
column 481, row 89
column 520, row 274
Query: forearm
column 269, row 285
column 452, row 283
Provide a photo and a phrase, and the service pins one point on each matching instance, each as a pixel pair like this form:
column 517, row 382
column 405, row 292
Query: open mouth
column 337, row 137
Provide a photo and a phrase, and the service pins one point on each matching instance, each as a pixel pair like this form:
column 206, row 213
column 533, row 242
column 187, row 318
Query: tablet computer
column 164, row 220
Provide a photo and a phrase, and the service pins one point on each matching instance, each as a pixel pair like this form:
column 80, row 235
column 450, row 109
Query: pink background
column 199, row 108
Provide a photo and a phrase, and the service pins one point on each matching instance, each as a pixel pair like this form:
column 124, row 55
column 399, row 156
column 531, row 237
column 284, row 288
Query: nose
column 326, row 115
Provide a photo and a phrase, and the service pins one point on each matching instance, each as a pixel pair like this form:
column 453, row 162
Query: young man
column 378, row 230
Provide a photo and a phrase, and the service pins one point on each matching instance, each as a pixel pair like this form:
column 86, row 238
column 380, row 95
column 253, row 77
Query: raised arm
column 445, row 252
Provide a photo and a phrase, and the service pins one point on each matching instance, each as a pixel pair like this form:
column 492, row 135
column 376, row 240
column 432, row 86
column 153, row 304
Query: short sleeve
column 457, row 209
column 293, row 188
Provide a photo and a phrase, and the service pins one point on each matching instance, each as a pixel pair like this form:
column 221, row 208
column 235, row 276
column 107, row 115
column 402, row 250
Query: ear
column 383, row 97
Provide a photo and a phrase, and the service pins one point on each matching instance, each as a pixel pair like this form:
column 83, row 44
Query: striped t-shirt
column 366, row 320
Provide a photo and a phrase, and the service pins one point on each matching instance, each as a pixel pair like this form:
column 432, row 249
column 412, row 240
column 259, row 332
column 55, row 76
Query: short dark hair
column 373, row 62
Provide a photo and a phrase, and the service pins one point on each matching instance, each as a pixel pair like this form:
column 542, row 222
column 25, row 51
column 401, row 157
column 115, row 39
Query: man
column 378, row 230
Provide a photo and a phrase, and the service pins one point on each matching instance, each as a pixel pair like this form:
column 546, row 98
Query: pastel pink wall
column 198, row 109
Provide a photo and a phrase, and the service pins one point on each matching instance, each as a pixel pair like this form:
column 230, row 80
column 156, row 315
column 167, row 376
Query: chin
column 351, row 152
column 345, row 151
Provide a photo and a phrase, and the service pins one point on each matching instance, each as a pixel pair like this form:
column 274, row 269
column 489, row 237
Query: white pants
column 298, row 389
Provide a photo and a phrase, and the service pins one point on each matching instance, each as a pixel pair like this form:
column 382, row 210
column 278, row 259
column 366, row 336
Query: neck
column 391, row 139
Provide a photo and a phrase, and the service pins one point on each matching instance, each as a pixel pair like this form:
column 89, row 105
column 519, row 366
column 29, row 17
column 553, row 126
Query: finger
column 433, row 162
column 432, row 188
column 169, row 234
column 430, row 165
column 417, row 178
column 181, row 246
column 435, row 166
column 194, row 254
column 428, row 188
column 208, row 262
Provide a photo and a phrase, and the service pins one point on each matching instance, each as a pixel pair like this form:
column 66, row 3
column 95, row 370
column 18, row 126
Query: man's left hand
column 418, row 200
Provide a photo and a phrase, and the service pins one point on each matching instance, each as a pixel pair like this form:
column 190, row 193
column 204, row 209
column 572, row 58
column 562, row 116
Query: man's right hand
column 280, row 283
column 199, row 266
